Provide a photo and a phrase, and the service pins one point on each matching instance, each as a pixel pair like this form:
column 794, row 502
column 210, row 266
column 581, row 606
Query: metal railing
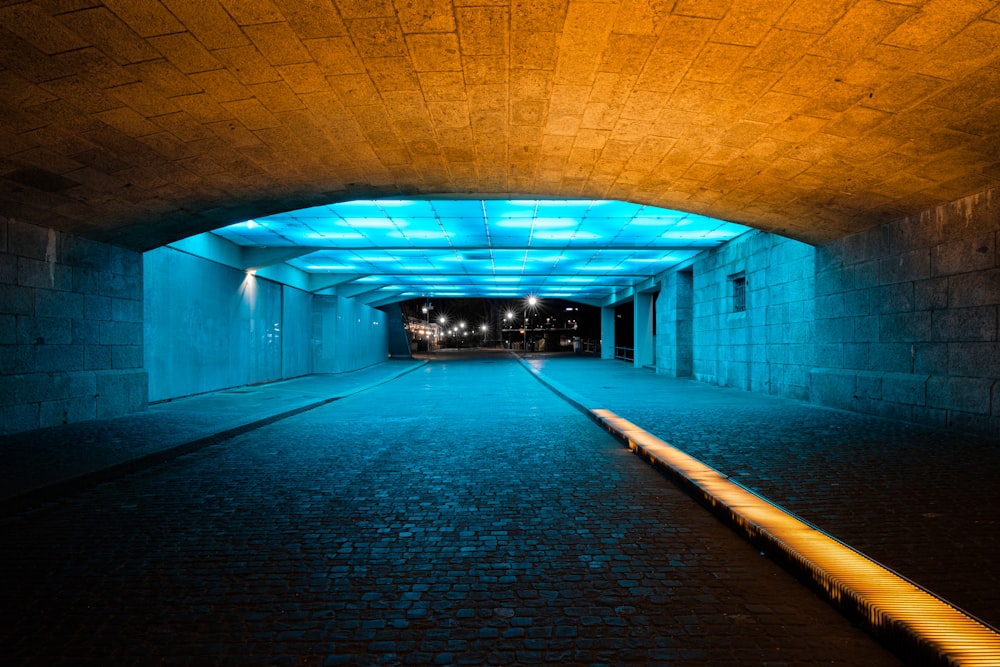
column 624, row 353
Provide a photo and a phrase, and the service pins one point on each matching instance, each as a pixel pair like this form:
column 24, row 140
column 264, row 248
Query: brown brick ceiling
column 144, row 121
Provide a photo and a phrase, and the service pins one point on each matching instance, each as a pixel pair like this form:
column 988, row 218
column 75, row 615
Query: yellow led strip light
column 888, row 601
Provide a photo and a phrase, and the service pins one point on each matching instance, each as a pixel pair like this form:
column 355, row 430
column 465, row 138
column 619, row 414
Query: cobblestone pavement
column 925, row 503
column 461, row 514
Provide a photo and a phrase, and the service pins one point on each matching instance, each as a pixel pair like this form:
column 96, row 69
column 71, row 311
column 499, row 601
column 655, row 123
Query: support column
column 608, row 333
column 643, row 354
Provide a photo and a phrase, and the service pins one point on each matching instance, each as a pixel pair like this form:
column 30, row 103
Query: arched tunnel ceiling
column 144, row 122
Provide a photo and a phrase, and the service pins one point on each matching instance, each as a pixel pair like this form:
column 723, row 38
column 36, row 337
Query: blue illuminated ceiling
column 585, row 250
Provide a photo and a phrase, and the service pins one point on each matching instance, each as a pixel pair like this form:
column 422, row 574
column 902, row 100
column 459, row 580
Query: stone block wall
column 907, row 318
column 767, row 347
column 674, row 311
column 71, row 335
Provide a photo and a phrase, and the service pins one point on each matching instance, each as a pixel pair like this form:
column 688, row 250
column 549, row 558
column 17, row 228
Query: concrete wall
column 70, row 329
column 347, row 335
column 907, row 318
column 768, row 347
column 211, row 327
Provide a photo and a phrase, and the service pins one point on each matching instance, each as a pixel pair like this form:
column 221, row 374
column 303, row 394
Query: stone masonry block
column 86, row 281
column 832, row 387
column 892, row 357
column 97, row 308
column 8, row 329
column 930, row 294
column 832, row 354
column 907, row 267
column 856, row 356
column 893, row 298
column 908, row 234
column 970, row 395
column 8, row 269
column 973, row 359
column 15, row 300
column 121, row 392
column 67, row 411
column 125, row 262
column 835, row 280
column 981, row 288
column 964, row 421
column 831, row 305
column 17, row 359
column 835, row 330
column 55, row 358
column 37, row 387
column 86, row 332
column 904, row 327
column 10, row 389
column 50, row 303
column 126, row 310
column 121, row 333
column 866, row 274
column 866, row 328
column 81, row 384
column 963, row 256
column 44, row 331
column 868, row 385
column 31, row 241
column 17, row 418
column 82, row 253
column 965, row 324
column 122, row 286
column 906, row 388
column 858, row 302
column 126, row 356
column 47, row 275
column 97, row 357
column 930, row 358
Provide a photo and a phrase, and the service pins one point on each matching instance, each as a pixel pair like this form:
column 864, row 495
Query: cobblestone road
column 461, row 514
column 925, row 503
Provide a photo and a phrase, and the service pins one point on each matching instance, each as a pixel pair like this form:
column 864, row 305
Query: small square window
column 739, row 292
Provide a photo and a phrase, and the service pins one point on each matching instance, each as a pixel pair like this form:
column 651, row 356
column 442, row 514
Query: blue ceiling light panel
column 576, row 249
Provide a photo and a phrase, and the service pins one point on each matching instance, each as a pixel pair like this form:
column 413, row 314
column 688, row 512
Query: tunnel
column 789, row 202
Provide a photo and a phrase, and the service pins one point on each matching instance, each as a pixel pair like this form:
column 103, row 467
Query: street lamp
column 531, row 302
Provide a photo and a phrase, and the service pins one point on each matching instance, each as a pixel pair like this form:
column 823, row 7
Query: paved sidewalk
column 42, row 463
column 922, row 502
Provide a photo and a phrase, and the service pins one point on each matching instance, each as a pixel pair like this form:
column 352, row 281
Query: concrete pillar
column 608, row 333
column 644, row 354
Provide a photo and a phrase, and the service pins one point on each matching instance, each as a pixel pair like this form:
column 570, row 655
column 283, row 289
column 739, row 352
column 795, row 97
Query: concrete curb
column 907, row 619
column 49, row 493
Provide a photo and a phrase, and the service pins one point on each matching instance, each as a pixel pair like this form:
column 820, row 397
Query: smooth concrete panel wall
column 767, row 347
column 347, row 335
column 211, row 327
column 907, row 318
column 71, row 335
column 296, row 332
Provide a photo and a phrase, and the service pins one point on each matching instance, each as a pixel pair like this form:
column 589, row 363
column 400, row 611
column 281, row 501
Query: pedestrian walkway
column 459, row 514
column 921, row 502
column 48, row 462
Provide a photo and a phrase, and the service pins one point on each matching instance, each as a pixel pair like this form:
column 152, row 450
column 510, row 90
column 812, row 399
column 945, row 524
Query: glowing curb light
column 894, row 608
